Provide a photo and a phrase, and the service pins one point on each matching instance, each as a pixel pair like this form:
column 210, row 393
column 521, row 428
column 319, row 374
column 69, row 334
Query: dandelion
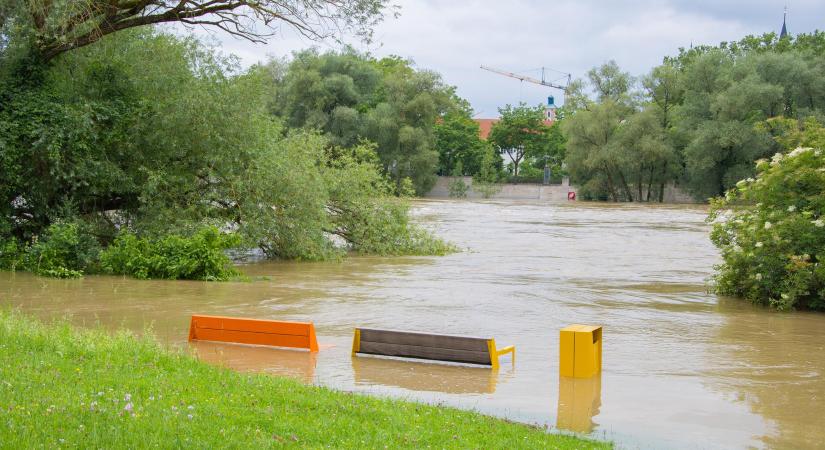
column 768, row 225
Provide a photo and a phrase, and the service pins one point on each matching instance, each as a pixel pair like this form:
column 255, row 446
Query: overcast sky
column 455, row 37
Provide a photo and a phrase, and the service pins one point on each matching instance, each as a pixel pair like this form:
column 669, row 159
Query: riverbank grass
column 65, row 387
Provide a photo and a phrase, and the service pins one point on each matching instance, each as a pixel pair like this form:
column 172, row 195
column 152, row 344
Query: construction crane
column 542, row 82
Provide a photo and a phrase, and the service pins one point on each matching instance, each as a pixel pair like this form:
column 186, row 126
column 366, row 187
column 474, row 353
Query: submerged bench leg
column 495, row 354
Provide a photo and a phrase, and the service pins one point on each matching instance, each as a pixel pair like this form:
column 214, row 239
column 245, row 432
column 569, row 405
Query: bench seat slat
column 245, row 337
column 252, row 325
column 253, row 331
column 414, row 351
column 444, row 341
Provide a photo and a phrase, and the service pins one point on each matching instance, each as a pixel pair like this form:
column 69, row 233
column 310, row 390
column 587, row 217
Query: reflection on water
column 420, row 376
column 252, row 358
column 579, row 402
column 682, row 368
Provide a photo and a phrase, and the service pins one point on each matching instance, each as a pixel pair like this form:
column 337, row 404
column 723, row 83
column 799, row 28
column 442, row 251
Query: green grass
column 65, row 387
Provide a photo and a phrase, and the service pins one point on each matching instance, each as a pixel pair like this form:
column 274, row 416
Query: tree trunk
column 650, row 183
column 625, row 187
column 662, row 184
column 610, row 185
column 639, row 184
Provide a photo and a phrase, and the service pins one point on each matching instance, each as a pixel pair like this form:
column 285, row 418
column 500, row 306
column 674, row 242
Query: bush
column 771, row 232
column 458, row 188
column 11, row 254
column 65, row 250
column 174, row 257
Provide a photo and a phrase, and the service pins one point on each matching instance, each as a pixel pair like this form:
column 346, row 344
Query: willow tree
column 54, row 27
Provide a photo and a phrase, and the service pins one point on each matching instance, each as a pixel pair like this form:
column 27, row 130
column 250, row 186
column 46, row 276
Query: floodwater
column 682, row 368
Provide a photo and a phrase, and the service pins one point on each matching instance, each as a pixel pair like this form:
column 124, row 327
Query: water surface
column 682, row 368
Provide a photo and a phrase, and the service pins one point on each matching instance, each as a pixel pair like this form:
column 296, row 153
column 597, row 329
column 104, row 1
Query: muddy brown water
column 682, row 368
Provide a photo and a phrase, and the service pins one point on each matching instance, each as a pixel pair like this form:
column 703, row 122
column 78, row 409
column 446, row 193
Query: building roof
column 486, row 125
column 784, row 31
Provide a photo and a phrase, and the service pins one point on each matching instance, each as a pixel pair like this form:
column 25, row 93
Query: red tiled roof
column 485, row 125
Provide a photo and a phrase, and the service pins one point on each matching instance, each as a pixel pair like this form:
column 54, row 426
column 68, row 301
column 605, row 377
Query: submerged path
column 682, row 368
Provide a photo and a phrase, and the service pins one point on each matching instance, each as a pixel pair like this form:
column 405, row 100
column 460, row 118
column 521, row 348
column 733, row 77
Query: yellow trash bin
column 580, row 351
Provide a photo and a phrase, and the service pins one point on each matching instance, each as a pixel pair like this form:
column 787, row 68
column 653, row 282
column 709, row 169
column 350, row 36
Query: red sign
column 571, row 195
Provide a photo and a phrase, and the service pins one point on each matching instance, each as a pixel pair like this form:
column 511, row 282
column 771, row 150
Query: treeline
column 147, row 141
column 698, row 120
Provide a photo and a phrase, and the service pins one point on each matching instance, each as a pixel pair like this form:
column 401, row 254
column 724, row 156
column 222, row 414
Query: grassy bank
column 65, row 387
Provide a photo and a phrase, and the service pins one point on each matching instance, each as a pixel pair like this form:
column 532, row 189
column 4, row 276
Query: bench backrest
column 462, row 349
column 253, row 331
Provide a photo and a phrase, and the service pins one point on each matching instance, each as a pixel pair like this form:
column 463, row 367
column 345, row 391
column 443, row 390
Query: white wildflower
column 759, row 245
column 758, row 277
column 819, row 223
column 798, row 151
column 791, row 208
column 785, row 296
column 768, row 225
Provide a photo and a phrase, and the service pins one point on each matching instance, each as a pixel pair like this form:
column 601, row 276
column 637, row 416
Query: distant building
column 784, row 31
column 486, row 125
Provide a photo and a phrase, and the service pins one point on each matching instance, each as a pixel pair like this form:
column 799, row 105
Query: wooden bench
column 440, row 347
column 253, row 331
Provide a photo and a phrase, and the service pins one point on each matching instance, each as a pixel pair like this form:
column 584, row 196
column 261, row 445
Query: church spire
column 784, row 31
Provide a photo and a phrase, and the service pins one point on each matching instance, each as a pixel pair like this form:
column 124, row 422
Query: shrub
column 771, row 232
column 199, row 257
column 11, row 254
column 458, row 188
column 65, row 250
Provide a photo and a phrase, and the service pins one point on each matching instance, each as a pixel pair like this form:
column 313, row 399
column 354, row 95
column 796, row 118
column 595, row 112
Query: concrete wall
column 550, row 193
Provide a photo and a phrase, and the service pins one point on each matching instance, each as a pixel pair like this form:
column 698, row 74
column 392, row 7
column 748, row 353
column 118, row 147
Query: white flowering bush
column 771, row 232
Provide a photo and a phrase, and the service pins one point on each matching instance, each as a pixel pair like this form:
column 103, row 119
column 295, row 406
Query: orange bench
column 254, row 331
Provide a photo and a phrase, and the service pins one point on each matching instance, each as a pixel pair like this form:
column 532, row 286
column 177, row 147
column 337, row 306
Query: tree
column 57, row 26
column 610, row 83
column 108, row 144
column 520, row 131
column 457, row 141
column 591, row 154
column 351, row 97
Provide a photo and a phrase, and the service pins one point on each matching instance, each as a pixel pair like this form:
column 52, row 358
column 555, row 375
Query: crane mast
column 541, row 82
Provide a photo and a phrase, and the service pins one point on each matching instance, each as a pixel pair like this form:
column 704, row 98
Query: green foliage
column 65, row 250
column 485, row 182
column 107, row 144
column 67, row 385
column 458, row 142
column 695, row 119
column 771, row 229
column 520, row 132
column 458, row 188
column 351, row 97
column 201, row 256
